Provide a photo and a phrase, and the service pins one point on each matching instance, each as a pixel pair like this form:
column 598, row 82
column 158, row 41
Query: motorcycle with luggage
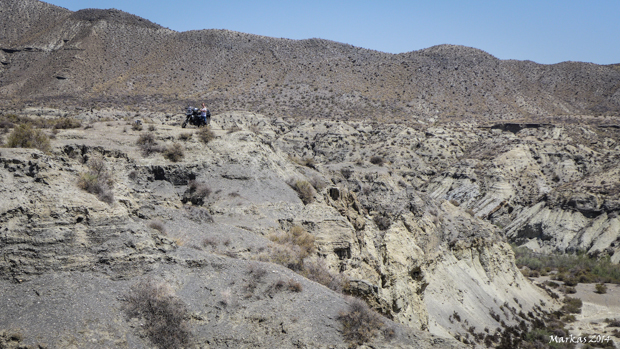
column 193, row 117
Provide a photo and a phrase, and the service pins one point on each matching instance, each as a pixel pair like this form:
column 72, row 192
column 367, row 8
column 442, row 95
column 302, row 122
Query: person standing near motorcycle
column 204, row 113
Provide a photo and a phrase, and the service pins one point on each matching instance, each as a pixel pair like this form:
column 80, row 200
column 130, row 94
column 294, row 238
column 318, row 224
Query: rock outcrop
column 415, row 259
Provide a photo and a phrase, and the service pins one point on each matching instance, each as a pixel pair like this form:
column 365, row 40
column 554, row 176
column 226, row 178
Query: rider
column 203, row 113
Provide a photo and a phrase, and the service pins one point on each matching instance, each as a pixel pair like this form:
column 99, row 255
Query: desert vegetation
column 304, row 190
column 98, row 180
column 568, row 268
column 359, row 323
column 25, row 136
column 164, row 315
column 196, row 192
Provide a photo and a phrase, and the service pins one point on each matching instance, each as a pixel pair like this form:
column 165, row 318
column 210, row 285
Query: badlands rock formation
column 418, row 260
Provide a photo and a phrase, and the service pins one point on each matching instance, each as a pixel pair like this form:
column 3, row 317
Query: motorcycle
column 192, row 117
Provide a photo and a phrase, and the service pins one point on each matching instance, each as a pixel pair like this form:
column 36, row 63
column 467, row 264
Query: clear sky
column 544, row 31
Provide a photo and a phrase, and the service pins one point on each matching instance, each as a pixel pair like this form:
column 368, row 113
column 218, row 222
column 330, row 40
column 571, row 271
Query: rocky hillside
column 97, row 58
column 74, row 256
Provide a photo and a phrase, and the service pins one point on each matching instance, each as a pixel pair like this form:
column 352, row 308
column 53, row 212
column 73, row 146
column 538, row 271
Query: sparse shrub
column 210, row 241
column 315, row 270
column 196, row 193
column 383, row 221
column 613, row 323
column 147, row 144
column 294, row 286
column 133, row 175
column 601, row 288
column 297, row 236
column 572, row 305
column 377, row 160
column 185, row 136
column 174, row 152
column 255, row 129
column 205, row 134
column 291, row 249
column 24, row 136
column 304, row 190
column 158, row 225
column 233, row 129
column 317, row 183
column 152, row 128
column 67, row 123
column 163, row 314
column 136, row 126
column 359, row 323
column 97, row 180
column 346, row 172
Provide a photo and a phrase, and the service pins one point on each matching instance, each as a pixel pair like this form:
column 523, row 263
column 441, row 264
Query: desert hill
column 330, row 173
column 111, row 58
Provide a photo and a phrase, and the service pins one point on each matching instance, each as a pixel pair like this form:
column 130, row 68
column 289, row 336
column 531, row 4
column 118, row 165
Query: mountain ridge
column 110, row 58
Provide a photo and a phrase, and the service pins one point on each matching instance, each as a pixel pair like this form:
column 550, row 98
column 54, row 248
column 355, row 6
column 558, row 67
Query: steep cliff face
column 414, row 259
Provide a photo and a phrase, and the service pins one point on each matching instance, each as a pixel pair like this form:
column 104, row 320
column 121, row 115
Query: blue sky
column 544, row 31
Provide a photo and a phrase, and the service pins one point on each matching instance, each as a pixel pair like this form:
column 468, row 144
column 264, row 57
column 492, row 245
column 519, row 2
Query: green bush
column 572, row 305
column 572, row 268
column 601, row 288
column 24, row 136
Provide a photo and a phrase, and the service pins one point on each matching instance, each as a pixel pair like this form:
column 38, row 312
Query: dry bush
column 297, row 236
column 346, row 172
column 383, row 221
column 255, row 129
column 136, row 126
column 600, row 288
column 158, row 225
column 205, row 134
column 233, row 129
column 174, row 152
column 210, row 241
column 315, row 270
column 147, row 144
column 196, row 193
column 24, row 136
column 291, row 249
column 66, row 123
column 152, row 128
column 98, row 180
column 377, row 160
column 256, row 273
column 359, row 323
column 304, row 190
column 294, row 286
column 185, row 136
column 164, row 315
